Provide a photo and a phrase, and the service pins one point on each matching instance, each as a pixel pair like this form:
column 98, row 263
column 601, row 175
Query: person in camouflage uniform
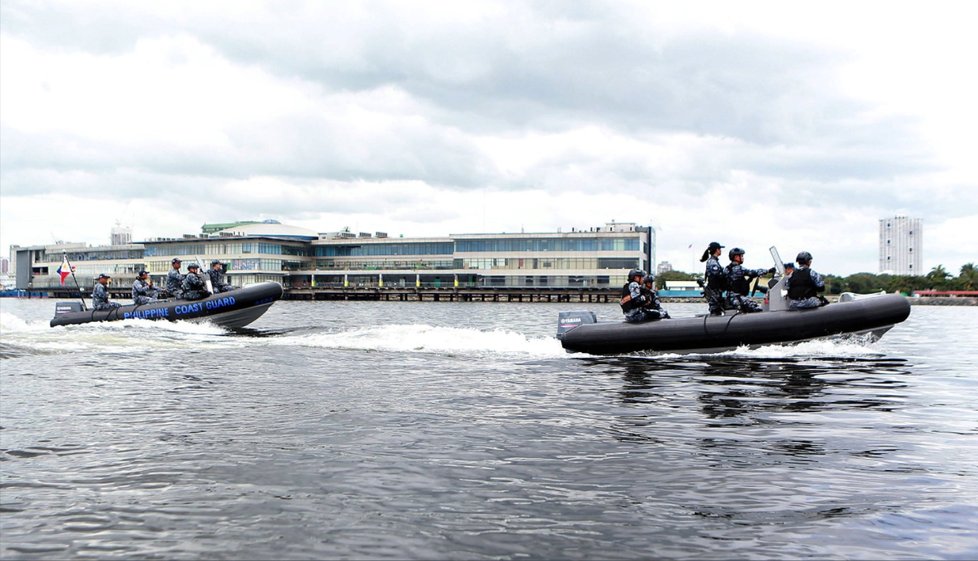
column 804, row 285
column 633, row 301
column 174, row 279
column 715, row 279
column 143, row 291
column 653, row 306
column 216, row 273
column 100, row 294
column 738, row 282
column 194, row 287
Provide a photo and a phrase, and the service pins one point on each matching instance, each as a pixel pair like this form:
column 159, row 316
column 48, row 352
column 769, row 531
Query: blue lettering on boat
column 185, row 309
column 148, row 314
column 220, row 303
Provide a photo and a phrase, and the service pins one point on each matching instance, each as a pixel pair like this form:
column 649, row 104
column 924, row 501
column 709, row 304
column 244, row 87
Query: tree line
column 937, row 279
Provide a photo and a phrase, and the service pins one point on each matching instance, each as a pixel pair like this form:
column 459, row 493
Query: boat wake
column 422, row 338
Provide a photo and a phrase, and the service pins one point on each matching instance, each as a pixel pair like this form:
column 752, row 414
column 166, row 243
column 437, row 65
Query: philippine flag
column 64, row 270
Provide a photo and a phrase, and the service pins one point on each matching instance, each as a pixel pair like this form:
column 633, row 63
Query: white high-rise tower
column 901, row 246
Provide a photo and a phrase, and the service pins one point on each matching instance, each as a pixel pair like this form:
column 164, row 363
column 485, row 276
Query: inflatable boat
column 236, row 308
column 869, row 315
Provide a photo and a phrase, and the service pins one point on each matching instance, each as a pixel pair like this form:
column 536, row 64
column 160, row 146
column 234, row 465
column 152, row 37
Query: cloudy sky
column 754, row 124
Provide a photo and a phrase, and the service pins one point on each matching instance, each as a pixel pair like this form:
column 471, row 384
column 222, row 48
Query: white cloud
column 757, row 124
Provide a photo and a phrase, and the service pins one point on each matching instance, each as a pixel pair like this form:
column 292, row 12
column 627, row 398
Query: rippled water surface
column 446, row 431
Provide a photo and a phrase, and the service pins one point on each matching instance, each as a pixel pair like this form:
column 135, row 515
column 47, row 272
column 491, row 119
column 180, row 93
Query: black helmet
column 649, row 278
column 215, row 262
column 635, row 273
column 735, row 251
column 803, row 258
column 175, row 260
column 192, row 266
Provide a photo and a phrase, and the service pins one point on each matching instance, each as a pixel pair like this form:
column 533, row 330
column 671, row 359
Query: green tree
column 968, row 279
column 938, row 277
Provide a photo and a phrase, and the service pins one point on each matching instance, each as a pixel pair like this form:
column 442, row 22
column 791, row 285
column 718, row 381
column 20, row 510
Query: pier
column 495, row 294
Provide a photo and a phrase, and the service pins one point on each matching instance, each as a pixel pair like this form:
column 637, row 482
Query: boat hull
column 873, row 316
column 232, row 309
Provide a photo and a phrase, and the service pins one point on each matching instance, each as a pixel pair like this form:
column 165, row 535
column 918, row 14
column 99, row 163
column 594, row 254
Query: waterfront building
column 36, row 267
column 121, row 235
column 598, row 257
column 901, row 246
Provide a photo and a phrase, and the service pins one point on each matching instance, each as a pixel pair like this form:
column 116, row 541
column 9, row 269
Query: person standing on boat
column 716, row 281
column 738, row 282
column 217, row 277
column 194, row 287
column 804, row 285
column 653, row 306
column 174, row 279
column 100, row 294
column 632, row 300
column 143, row 291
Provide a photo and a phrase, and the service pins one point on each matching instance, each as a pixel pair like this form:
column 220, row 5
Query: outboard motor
column 66, row 308
column 569, row 320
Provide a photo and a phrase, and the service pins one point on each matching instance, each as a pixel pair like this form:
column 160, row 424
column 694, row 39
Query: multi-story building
column 598, row 257
column 901, row 246
column 297, row 258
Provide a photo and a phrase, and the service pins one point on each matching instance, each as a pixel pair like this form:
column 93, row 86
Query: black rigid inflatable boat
column 236, row 308
column 579, row 331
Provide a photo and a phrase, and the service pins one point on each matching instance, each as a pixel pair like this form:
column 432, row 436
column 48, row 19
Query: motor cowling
column 569, row 320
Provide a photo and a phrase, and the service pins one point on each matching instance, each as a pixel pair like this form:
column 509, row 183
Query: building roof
column 270, row 230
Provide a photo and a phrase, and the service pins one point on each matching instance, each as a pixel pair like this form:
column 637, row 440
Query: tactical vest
column 740, row 285
column 801, row 285
column 716, row 282
column 630, row 304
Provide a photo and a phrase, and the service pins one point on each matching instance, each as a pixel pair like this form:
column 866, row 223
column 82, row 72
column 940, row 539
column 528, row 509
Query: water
column 447, row 431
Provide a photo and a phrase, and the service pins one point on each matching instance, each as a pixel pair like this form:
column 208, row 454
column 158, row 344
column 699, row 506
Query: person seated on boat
column 788, row 269
column 194, row 287
column 216, row 273
column 632, row 300
column 653, row 306
column 143, row 291
column 100, row 294
column 174, row 279
column 738, row 282
column 716, row 281
column 804, row 285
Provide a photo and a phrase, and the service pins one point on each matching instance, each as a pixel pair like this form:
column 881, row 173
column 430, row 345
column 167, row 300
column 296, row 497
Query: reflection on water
column 337, row 430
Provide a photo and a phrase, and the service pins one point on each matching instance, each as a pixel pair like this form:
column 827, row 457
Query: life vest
column 718, row 281
column 739, row 285
column 626, row 302
column 801, row 285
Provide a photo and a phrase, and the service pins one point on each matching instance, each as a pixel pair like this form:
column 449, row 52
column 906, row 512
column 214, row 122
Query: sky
column 749, row 123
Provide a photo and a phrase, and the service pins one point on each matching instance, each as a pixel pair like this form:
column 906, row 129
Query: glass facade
column 511, row 245
column 386, row 249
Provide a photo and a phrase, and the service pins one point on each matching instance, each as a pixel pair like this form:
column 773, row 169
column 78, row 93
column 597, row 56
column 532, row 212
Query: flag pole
column 72, row 269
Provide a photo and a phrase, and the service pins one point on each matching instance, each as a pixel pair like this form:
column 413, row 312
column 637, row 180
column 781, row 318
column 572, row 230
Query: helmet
column 735, row 251
column 175, row 261
column 649, row 278
column 635, row 273
column 789, row 265
column 804, row 257
column 192, row 266
column 215, row 262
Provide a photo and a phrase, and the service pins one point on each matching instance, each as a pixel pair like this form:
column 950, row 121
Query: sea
column 438, row 430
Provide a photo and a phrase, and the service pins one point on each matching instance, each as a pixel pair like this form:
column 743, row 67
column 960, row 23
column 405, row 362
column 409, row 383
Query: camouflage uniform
column 174, row 283
column 653, row 306
column 739, row 284
column 100, row 298
column 813, row 283
column 194, row 287
column 716, row 282
column 217, row 281
column 142, row 292
column 636, row 314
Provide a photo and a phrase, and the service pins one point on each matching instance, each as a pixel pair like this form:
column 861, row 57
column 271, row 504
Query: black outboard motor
column 569, row 320
column 66, row 308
